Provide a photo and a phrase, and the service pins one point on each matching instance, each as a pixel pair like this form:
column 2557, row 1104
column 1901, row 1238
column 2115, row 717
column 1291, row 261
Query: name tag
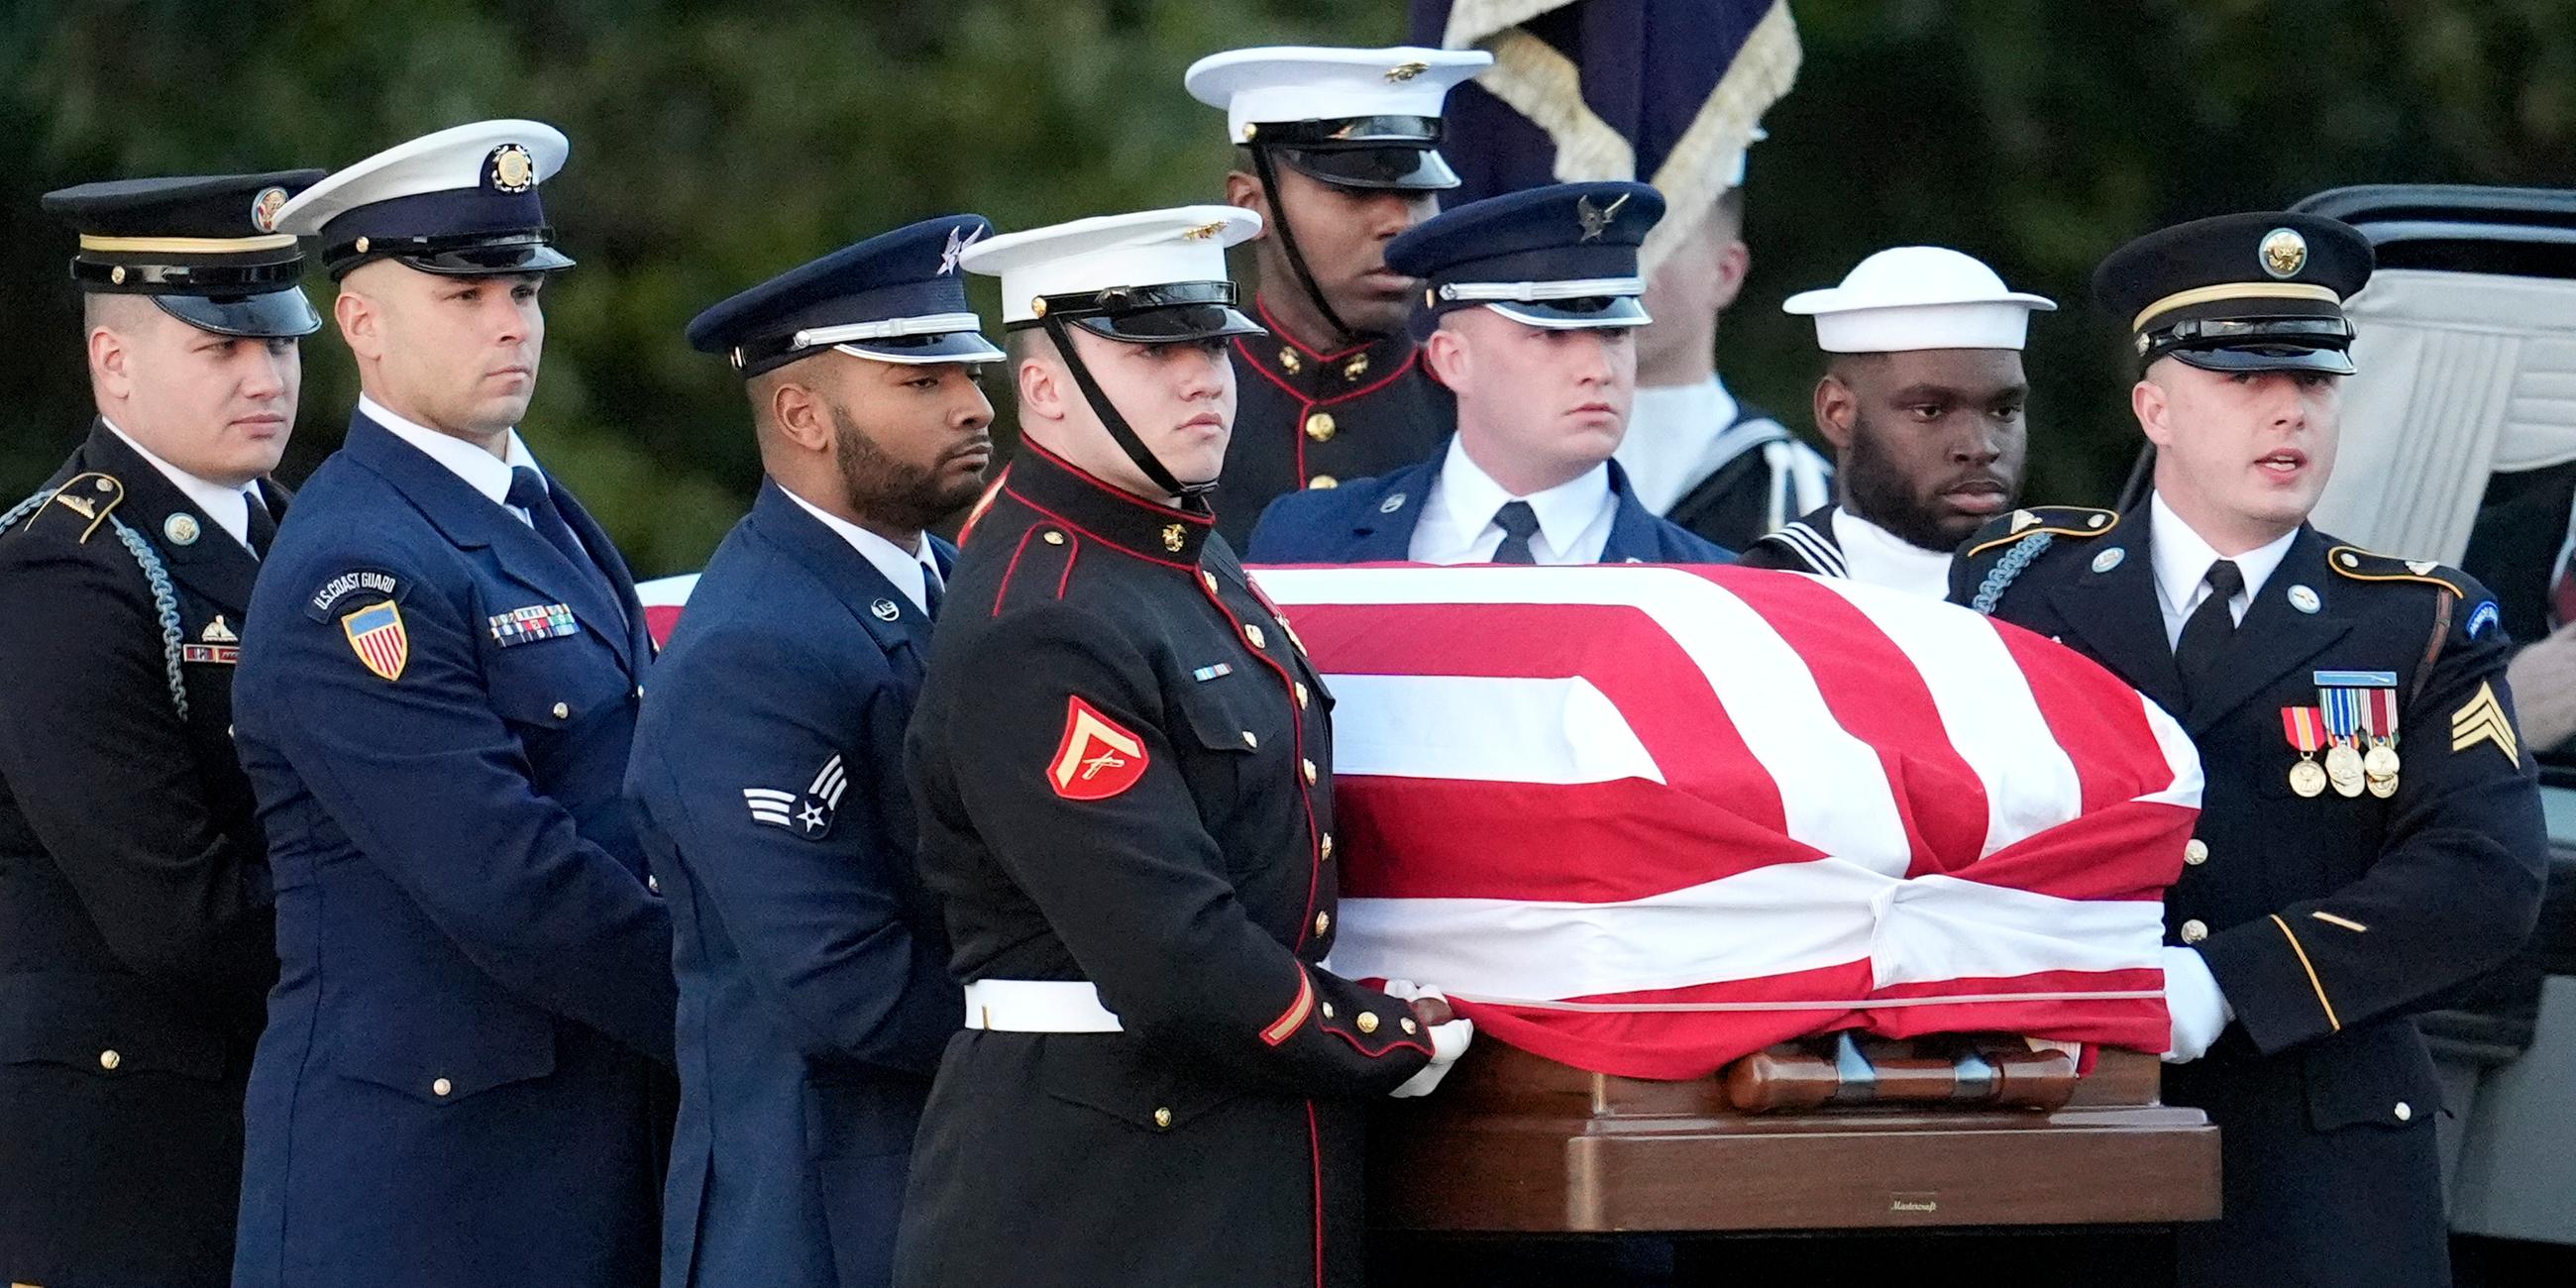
column 532, row 623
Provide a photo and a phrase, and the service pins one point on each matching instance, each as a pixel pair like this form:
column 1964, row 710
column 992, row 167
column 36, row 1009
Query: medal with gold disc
column 2379, row 765
column 2343, row 730
column 2306, row 732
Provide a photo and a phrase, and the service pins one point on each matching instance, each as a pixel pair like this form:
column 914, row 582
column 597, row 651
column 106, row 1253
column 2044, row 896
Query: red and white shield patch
column 1097, row 759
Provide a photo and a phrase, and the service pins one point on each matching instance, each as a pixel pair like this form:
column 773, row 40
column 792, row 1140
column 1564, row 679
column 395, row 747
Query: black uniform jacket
column 2329, row 919
column 135, row 930
column 1123, row 768
column 1305, row 418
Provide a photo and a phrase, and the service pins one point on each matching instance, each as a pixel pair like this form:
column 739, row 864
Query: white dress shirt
column 1672, row 439
column 481, row 470
column 1457, row 524
column 1878, row 557
column 2182, row 568
column 913, row 572
column 226, row 507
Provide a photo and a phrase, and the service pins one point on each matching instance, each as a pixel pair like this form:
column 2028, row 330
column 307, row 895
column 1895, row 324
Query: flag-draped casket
column 1644, row 820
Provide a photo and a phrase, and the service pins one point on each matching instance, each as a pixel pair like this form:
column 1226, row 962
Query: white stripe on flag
column 1484, row 729
column 1834, row 792
column 1987, row 710
column 1776, row 920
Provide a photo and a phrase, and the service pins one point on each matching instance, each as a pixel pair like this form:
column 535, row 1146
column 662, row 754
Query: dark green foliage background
column 716, row 144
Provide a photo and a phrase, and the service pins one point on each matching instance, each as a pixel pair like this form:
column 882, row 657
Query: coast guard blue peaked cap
column 461, row 203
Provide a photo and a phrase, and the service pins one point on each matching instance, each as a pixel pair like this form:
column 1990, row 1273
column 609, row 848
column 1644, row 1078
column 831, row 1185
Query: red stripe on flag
column 1877, row 696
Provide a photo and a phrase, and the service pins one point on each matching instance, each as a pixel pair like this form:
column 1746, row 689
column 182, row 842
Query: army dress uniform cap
column 2261, row 291
column 1359, row 118
column 1563, row 257
column 205, row 248
column 1153, row 277
column 1919, row 297
column 461, row 203
column 896, row 297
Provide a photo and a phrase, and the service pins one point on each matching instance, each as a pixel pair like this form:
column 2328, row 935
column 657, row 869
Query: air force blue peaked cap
column 1563, row 257
column 896, row 297
column 461, row 203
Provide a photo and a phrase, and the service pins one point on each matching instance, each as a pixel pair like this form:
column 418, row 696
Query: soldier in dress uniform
column 135, row 931
column 1535, row 294
column 768, row 769
column 1123, row 766
column 1338, row 153
column 2370, row 836
column 1924, row 403
column 1698, row 454
column 464, row 1077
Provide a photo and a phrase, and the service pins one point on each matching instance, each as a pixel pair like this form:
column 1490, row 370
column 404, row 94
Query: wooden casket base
column 1515, row 1143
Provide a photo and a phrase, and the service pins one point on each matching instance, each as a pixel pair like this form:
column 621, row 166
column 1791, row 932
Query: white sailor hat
column 1153, row 277
column 461, row 202
column 1919, row 297
column 1362, row 118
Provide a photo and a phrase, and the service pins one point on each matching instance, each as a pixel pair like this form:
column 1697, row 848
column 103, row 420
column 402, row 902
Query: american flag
column 1646, row 820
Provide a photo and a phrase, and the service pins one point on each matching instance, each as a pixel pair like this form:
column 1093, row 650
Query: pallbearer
column 2370, row 836
column 1123, row 765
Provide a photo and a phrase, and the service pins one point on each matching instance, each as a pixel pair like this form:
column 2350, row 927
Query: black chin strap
column 1193, row 496
column 1262, row 166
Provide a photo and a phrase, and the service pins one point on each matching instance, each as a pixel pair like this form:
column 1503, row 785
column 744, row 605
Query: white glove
column 2199, row 1010
column 1448, row 1041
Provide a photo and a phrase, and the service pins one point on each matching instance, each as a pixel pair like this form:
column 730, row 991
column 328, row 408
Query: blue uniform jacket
column 1371, row 521
column 461, row 1080
column 815, row 998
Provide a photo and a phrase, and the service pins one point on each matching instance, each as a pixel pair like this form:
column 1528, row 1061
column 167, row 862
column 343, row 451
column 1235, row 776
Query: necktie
column 528, row 491
column 2205, row 634
column 932, row 587
column 263, row 525
column 1519, row 523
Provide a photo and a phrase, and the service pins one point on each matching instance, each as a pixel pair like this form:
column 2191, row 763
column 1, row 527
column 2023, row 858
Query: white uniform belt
column 1038, row 1006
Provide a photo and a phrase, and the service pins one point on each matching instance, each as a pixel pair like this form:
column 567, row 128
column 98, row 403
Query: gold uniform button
column 1328, row 1010
column 653, row 884
column 109, row 1060
column 2195, row 852
column 1323, row 924
column 1301, row 695
column 1252, row 740
column 1210, row 579
column 1320, row 427
column 563, row 711
column 2194, row 930
column 1310, row 771
column 1054, row 538
column 1323, row 483
column 2404, row 1111
column 1253, row 633
column 441, row 1087
column 1162, row 1117
column 1326, row 847
column 1367, row 1022
column 1408, row 1025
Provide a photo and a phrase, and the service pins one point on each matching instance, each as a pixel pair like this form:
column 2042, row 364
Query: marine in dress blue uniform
column 767, row 778
column 135, row 932
column 1123, row 765
column 1339, row 147
column 2370, row 835
column 465, row 1076
column 1561, row 258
